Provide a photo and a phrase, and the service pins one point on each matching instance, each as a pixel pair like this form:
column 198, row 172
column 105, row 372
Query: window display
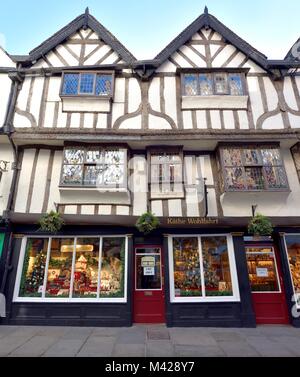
column 293, row 251
column 73, row 268
column 202, row 267
column 32, row 279
column 262, row 269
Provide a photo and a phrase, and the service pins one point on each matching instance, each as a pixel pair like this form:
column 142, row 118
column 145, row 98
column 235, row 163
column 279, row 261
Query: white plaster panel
column 170, row 97
column 134, row 98
column 190, row 170
column 196, row 59
column 192, row 203
column 5, row 85
column 201, row 119
column 229, row 120
column 123, row 211
column 187, row 120
column 112, row 58
column 294, row 120
column 54, row 88
column 254, row 68
column 24, row 93
column 167, row 67
column 117, row 111
column 289, row 93
column 154, row 94
column 175, row 208
column 98, row 55
column 75, row 120
column 69, row 58
column 119, row 95
column 6, row 154
column 237, row 61
column 138, row 184
column 181, row 61
column 89, row 49
column 102, row 121
column 206, row 170
column 49, row 113
column 87, row 210
column 212, row 203
column 21, row 121
column 75, row 36
column 24, row 181
column 200, row 48
column 223, row 56
column 196, row 37
column 243, row 118
column 213, row 49
column 157, row 208
column 271, row 93
column 132, row 123
column 105, row 210
column 71, row 210
column 37, row 97
column 216, row 37
column 255, row 97
column 85, row 32
column 88, row 120
column 54, row 194
column 215, row 119
column 54, row 60
column 41, row 64
column 75, row 48
column 206, row 32
column 39, row 185
column 62, row 117
column 274, row 122
column 297, row 79
column 93, row 36
column 157, row 123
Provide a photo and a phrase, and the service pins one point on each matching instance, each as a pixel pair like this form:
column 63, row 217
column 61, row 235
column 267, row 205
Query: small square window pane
column 234, row 179
column 93, row 156
column 271, row 157
column 221, row 83
column 111, row 175
column 87, row 83
column 252, row 157
column 113, row 156
column 232, row 157
column 190, row 85
column 104, row 85
column 255, row 179
column 72, row 175
column 70, row 85
column 206, row 85
column 235, row 85
column 276, row 177
column 74, row 156
column 90, row 175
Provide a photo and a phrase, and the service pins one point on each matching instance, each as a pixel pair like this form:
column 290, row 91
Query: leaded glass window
column 89, row 83
column 296, row 155
column 218, row 83
column 101, row 167
column 253, row 169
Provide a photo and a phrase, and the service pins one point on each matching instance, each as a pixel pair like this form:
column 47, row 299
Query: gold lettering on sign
column 192, row 221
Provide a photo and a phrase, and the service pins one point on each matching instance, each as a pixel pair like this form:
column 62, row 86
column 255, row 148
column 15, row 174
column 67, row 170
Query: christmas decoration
column 147, row 223
column 51, row 222
column 260, row 225
column 36, row 278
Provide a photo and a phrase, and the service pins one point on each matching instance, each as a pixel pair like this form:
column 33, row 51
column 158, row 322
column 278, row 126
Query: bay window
column 59, row 269
column 292, row 242
column 253, row 168
column 94, row 167
column 202, row 268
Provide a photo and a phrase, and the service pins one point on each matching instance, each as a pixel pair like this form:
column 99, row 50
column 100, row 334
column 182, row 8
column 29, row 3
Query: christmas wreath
column 260, row 225
column 51, row 222
column 147, row 223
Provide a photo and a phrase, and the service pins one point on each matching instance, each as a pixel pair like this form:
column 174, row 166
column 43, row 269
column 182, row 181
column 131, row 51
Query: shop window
column 73, row 269
column 293, row 251
column 253, row 168
column 203, row 269
column 94, row 167
column 166, row 173
column 262, row 268
column 296, row 155
column 87, row 84
column 214, row 83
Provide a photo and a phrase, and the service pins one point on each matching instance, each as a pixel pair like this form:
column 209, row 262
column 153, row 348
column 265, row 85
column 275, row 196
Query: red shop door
column 148, row 298
column 266, row 281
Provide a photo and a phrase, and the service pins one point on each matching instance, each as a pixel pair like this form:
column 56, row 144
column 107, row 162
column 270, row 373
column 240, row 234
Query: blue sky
column 146, row 27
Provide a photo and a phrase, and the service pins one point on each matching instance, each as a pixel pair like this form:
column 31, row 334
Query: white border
column 296, row 295
column 232, row 267
column 43, row 299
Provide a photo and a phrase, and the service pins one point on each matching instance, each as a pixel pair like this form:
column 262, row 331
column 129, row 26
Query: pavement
column 148, row 341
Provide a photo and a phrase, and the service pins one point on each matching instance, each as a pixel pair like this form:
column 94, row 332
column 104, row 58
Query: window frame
column 244, row 166
column 242, row 72
column 86, row 149
column 87, row 95
column 297, row 303
column 296, row 149
column 70, row 299
column 204, row 299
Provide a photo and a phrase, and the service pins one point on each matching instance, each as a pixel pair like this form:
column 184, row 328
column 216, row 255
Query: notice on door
column 149, row 271
column 148, row 262
column 262, row 272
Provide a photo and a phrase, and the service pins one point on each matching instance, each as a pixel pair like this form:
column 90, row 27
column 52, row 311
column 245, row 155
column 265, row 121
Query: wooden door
column 148, row 297
column 265, row 275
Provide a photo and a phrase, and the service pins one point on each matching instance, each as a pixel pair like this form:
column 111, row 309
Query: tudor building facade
column 199, row 136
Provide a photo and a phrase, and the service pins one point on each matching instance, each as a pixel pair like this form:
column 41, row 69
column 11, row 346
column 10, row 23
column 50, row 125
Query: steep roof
column 85, row 20
column 291, row 54
column 207, row 20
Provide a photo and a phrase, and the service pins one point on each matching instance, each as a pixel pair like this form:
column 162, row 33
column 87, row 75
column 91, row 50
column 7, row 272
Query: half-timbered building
column 201, row 136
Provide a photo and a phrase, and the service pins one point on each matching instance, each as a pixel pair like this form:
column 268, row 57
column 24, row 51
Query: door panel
column 267, row 286
column 149, row 298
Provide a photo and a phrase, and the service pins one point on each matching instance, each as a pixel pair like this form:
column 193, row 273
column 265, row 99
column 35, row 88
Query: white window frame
column 55, row 300
column 135, row 269
column 296, row 295
column 232, row 265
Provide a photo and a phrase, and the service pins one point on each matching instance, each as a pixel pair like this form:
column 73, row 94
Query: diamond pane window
column 70, row 85
column 215, row 83
column 87, row 84
column 253, row 169
column 296, row 155
column 94, row 167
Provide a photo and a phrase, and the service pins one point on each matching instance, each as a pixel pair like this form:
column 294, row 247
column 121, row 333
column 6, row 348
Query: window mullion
column 99, row 267
column 79, row 83
column 73, row 268
column 46, row 267
column 201, row 267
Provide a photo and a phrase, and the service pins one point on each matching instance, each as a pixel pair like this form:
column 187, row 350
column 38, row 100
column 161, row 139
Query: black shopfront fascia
column 219, row 314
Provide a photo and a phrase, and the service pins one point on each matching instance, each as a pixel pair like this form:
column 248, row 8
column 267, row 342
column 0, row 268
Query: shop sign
column 184, row 221
column 149, row 271
column 148, row 262
column 262, row 272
